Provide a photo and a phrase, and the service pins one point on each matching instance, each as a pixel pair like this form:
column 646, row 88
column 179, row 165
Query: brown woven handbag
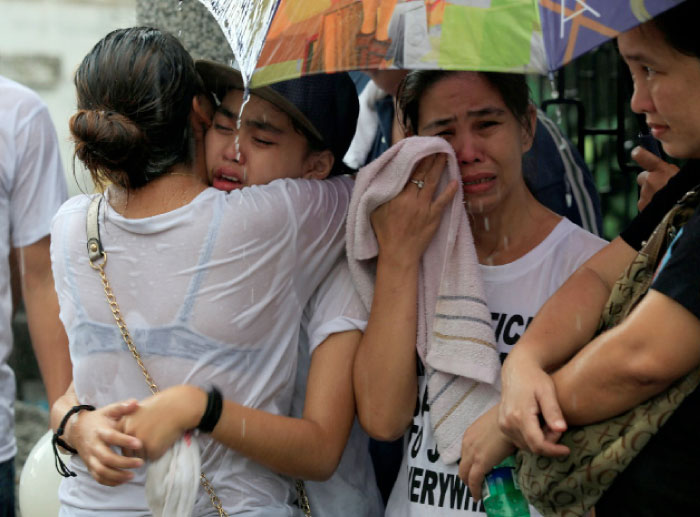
column 570, row 486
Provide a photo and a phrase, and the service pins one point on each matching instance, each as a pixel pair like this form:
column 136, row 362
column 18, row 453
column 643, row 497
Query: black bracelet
column 61, row 467
column 212, row 413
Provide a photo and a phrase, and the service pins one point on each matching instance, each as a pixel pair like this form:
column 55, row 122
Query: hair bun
column 107, row 141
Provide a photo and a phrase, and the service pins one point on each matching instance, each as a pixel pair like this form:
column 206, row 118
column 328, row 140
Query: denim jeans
column 7, row 488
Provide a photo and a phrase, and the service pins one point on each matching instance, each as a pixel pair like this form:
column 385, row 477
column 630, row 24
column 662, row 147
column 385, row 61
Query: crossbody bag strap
column 98, row 261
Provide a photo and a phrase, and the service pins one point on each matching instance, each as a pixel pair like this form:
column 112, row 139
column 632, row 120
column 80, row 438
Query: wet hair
column 512, row 87
column 679, row 27
column 135, row 91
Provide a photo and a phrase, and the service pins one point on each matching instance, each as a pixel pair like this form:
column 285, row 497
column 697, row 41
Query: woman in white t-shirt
column 525, row 252
column 212, row 287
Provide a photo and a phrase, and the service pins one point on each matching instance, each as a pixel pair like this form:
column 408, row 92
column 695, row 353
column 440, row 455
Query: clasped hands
column 140, row 430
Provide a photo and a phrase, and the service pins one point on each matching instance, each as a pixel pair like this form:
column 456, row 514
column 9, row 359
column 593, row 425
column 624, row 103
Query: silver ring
column 418, row 183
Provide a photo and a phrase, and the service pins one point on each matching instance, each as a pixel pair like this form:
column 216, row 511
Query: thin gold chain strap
column 114, row 307
column 303, row 498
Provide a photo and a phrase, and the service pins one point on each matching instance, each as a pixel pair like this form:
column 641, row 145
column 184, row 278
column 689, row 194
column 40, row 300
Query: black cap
column 324, row 105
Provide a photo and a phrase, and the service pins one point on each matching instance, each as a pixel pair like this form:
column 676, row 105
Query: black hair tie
column 61, row 467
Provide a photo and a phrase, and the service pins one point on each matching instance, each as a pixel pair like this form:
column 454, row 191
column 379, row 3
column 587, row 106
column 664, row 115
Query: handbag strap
column 98, row 261
column 635, row 281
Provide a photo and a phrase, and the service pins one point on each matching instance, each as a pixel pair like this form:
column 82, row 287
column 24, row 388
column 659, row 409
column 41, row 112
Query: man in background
column 32, row 187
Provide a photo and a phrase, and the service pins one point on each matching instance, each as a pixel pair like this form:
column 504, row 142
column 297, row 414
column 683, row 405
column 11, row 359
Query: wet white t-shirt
column 426, row 487
column 213, row 293
column 352, row 489
column 32, row 188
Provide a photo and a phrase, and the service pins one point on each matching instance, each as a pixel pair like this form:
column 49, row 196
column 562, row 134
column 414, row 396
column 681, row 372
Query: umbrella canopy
column 274, row 40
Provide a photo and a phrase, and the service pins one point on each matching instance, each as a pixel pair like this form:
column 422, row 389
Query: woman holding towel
column 524, row 253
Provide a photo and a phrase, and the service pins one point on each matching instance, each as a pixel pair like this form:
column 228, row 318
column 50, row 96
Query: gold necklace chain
column 114, row 307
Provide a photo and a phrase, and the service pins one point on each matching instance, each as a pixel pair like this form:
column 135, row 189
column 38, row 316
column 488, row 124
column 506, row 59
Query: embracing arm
column 564, row 324
column 656, row 344
column 48, row 336
column 92, row 433
column 309, row 447
column 569, row 319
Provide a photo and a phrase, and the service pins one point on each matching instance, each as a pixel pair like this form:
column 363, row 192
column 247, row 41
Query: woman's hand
column 405, row 225
column 528, row 392
column 93, row 433
column 162, row 419
column 483, row 447
column 654, row 177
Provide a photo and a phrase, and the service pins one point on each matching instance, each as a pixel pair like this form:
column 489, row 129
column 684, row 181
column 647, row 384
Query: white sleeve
column 39, row 184
column 319, row 208
column 334, row 307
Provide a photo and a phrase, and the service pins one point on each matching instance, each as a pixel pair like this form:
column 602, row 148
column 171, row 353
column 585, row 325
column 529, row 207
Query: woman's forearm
column 564, row 324
column 569, row 319
column 295, row 447
column 653, row 347
column 385, row 379
column 309, row 447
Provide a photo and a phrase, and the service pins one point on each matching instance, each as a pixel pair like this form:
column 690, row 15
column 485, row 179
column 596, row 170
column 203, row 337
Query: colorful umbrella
column 275, row 40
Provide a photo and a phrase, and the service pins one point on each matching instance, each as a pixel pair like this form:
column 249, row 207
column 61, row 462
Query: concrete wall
column 41, row 44
column 191, row 22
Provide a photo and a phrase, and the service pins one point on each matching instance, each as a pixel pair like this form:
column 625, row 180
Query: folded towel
column 454, row 338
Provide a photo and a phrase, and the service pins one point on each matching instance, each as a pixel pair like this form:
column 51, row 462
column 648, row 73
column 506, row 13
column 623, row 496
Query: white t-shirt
column 32, row 187
column 212, row 293
column 426, row 487
column 352, row 489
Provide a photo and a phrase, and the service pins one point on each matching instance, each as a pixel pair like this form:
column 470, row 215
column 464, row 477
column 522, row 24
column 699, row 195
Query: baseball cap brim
column 220, row 78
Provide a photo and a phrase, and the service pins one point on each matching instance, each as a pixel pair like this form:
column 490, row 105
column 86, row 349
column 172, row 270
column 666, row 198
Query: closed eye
column 485, row 124
column 223, row 129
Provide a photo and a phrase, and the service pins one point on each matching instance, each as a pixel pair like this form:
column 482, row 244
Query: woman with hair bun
column 211, row 285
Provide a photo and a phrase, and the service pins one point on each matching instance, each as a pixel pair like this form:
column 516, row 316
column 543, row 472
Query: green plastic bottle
column 501, row 493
